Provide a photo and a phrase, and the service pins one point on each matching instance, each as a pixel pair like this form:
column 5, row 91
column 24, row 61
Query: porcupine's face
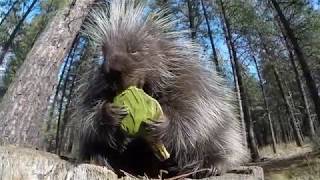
column 130, row 38
column 131, row 57
column 120, row 57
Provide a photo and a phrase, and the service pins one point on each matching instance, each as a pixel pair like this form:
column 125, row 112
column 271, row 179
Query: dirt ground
column 291, row 163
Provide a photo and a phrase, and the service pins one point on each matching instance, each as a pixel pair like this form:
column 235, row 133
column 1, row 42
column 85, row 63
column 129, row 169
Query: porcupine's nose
column 117, row 62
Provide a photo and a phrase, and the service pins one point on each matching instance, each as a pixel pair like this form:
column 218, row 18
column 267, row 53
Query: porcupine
column 199, row 127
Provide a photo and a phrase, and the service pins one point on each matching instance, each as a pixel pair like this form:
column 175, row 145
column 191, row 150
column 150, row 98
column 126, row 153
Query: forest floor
column 291, row 163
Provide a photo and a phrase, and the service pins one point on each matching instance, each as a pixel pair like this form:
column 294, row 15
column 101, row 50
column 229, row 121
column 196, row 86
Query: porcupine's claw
column 213, row 171
column 114, row 114
column 123, row 146
column 118, row 112
column 207, row 172
column 153, row 129
column 153, row 137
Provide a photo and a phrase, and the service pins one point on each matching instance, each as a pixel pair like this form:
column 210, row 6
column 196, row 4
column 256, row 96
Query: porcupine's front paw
column 207, row 172
column 155, row 131
column 113, row 114
column 156, row 128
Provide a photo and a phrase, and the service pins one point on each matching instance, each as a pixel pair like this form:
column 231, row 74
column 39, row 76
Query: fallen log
column 23, row 164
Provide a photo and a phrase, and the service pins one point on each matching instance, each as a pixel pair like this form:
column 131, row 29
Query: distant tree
column 193, row 15
column 6, row 15
column 244, row 99
column 62, row 86
column 236, row 84
column 266, row 104
column 308, row 123
column 25, row 41
column 214, row 51
column 294, row 123
column 300, row 56
column 8, row 43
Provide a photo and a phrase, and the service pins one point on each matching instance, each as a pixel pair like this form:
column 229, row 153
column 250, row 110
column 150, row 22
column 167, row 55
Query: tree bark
column 293, row 123
column 244, row 101
column 25, row 104
column 214, row 52
column 301, row 58
column 8, row 43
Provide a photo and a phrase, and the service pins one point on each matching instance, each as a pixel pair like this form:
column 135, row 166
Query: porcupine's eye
column 134, row 53
column 131, row 50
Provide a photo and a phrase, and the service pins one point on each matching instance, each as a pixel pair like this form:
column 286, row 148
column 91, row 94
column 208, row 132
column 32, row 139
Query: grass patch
column 305, row 170
column 285, row 150
column 292, row 162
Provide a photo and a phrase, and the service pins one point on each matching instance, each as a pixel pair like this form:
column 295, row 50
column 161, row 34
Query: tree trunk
column 25, row 104
column 301, row 58
column 284, row 135
column 293, row 123
column 7, row 45
column 214, row 52
column 244, row 101
column 8, row 12
column 237, row 90
column 266, row 104
column 250, row 127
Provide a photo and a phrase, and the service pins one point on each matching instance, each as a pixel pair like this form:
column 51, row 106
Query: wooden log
column 23, row 164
